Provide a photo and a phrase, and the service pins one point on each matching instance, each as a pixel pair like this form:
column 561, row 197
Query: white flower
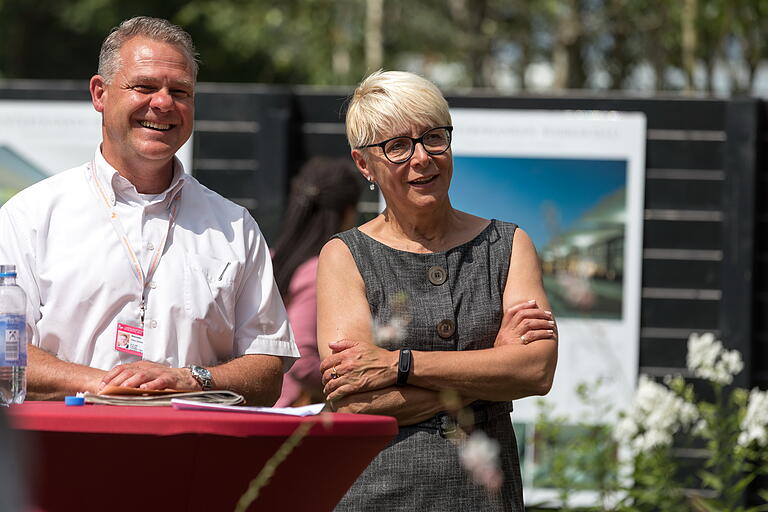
column 700, row 428
column 626, row 429
column 754, row 425
column 480, row 456
column 655, row 416
column 391, row 333
column 707, row 359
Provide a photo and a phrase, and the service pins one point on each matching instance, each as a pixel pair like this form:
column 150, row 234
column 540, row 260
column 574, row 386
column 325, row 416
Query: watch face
column 202, row 375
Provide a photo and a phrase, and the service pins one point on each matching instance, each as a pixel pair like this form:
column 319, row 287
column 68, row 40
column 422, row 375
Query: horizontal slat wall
column 682, row 219
column 243, row 145
column 683, row 225
column 250, row 139
column 320, row 131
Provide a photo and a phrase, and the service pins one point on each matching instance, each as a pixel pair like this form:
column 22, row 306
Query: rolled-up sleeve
column 261, row 322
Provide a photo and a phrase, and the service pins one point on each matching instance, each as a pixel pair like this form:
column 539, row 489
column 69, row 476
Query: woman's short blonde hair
column 392, row 102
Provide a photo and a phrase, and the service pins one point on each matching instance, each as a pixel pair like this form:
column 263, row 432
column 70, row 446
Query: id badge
column 129, row 339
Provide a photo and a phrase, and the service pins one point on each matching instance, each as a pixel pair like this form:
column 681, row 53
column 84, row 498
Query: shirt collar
column 115, row 184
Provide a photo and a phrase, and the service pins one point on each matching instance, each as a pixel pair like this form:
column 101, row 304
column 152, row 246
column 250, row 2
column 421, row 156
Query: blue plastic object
column 74, row 400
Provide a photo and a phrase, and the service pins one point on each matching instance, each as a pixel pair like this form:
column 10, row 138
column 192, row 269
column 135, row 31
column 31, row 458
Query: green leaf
column 743, row 483
column 704, row 505
column 711, row 480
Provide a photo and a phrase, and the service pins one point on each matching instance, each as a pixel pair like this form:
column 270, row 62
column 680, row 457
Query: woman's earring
column 372, row 186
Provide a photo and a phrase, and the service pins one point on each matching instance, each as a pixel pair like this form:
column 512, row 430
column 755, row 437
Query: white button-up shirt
column 212, row 296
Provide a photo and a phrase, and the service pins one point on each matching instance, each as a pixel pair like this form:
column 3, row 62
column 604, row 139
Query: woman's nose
column 420, row 154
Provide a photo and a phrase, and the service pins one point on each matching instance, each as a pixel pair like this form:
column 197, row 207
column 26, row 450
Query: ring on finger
column 522, row 338
column 334, row 373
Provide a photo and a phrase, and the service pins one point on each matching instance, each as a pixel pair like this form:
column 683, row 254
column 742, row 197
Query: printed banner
column 574, row 182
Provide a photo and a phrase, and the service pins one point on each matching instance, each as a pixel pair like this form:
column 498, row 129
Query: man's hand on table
column 149, row 375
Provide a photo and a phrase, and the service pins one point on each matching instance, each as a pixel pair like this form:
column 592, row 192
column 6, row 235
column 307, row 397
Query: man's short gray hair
column 156, row 29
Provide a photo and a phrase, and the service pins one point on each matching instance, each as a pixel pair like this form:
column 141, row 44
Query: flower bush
column 732, row 426
column 729, row 425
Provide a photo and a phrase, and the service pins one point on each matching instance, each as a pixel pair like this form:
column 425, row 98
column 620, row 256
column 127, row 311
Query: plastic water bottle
column 13, row 338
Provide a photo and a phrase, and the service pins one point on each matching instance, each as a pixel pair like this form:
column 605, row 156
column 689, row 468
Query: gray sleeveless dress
column 454, row 300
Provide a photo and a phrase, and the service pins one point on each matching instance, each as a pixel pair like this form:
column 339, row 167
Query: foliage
column 590, row 460
column 730, row 423
column 604, row 44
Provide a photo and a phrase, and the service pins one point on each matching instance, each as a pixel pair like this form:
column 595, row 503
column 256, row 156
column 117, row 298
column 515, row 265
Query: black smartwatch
column 404, row 367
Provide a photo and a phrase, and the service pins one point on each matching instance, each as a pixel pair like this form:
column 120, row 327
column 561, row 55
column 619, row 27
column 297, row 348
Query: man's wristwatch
column 202, row 376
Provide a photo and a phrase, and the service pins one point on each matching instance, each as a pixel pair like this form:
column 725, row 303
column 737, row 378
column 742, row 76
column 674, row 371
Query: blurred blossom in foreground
column 753, row 425
column 389, row 334
column 577, row 289
column 480, row 457
column 707, row 359
column 656, row 414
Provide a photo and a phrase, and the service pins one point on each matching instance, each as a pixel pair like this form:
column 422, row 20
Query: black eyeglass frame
column 418, row 140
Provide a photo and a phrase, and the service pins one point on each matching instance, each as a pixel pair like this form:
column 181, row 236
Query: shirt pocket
column 209, row 290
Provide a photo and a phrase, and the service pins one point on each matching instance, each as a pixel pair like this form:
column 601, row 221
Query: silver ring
column 334, row 373
column 522, row 338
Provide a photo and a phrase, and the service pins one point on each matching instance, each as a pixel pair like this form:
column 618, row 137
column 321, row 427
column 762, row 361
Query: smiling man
column 136, row 274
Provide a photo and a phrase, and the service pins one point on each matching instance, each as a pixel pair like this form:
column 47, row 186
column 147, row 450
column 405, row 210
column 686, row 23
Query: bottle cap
column 7, row 270
column 74, row 400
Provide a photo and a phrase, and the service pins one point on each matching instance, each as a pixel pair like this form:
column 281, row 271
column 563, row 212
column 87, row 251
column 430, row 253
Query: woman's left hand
column 355, row 367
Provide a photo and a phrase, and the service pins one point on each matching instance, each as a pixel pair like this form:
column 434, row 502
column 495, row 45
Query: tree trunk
column 688, row 21
column 567, row 58
column 374, row 45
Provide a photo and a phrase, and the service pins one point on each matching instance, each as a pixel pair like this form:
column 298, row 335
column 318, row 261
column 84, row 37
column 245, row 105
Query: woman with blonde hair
column 464, row 309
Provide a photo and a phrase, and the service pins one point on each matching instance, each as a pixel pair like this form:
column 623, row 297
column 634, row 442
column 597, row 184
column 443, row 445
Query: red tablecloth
column 99, row 457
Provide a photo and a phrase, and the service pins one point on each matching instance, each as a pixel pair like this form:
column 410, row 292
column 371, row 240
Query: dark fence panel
column 760, row 288
column 243, row 145
column 702, row 227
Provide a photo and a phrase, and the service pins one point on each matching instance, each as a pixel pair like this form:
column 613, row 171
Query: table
column 102, row 457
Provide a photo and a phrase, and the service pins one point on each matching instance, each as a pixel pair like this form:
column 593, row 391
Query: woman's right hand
column 525, row 322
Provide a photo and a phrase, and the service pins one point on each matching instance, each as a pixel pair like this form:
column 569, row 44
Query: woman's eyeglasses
column 400, row 149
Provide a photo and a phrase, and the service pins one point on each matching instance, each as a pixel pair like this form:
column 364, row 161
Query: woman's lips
column 423, row 181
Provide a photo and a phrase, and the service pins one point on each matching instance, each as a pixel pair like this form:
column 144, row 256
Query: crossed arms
column 511, row 369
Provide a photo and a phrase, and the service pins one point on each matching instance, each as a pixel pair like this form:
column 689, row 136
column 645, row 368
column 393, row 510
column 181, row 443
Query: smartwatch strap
column 404, row 366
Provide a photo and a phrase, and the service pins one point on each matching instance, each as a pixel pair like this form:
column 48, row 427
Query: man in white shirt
column 135, row 273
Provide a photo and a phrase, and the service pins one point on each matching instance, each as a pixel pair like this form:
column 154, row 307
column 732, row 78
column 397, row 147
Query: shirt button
column 437, row 275
column 150, row 247
column 153, row 324
column 446, row 328
column 152, row 284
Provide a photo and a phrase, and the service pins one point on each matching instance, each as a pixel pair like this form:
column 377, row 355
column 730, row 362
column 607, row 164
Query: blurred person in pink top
column 323, row 202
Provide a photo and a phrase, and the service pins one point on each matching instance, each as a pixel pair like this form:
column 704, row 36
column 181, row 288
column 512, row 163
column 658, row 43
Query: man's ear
column 98, row 88
column 361, row 163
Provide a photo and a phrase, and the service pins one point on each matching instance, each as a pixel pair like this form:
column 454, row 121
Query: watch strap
column 404, row 366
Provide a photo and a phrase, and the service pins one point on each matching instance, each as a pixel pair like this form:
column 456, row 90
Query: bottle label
column 13, row 340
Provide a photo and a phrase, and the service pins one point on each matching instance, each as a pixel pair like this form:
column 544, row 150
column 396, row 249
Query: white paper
column 307, row 410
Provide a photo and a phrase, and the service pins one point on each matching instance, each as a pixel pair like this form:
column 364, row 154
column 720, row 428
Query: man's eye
column 142, row 88
column 180, row 93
